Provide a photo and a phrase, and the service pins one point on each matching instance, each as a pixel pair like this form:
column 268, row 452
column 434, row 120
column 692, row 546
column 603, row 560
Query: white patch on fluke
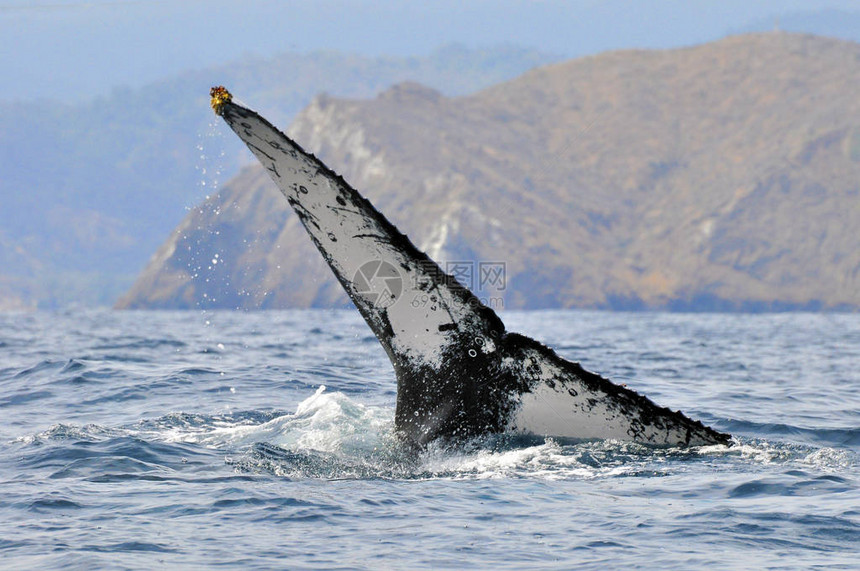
column 549, row 412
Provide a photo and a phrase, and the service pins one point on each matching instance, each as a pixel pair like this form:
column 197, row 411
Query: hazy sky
column 73, row 49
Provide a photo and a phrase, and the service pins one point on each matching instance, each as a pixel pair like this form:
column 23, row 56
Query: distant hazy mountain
column 87, row 192
column 722, row 176
column 83, row 47
column 831, row 23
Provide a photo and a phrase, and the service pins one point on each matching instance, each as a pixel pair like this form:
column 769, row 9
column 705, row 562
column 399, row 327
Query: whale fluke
column 459, row 372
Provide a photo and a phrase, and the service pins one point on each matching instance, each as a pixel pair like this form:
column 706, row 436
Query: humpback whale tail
column 459, row 372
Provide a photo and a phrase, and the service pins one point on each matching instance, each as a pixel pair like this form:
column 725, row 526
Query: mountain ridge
column 89, row 190
column 713, row 177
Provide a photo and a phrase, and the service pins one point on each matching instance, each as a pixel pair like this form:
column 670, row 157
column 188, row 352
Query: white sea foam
column 830, row 459
column 349, row 434
column 324, row 422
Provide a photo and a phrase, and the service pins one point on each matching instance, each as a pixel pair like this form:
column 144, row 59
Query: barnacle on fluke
column 220, row 96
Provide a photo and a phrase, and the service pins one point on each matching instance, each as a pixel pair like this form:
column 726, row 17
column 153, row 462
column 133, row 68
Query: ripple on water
column 124, row 444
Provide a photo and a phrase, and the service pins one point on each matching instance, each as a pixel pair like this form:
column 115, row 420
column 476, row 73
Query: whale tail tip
column 220, row 96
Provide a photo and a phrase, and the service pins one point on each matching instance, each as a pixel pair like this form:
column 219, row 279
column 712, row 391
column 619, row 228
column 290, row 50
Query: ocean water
column 264, row 440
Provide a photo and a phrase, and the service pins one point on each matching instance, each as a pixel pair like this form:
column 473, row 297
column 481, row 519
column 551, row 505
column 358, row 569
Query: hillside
column 723, row 176
column 89, row 190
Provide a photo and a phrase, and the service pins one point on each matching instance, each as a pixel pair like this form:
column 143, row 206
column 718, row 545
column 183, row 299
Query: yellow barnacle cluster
column 219, row 96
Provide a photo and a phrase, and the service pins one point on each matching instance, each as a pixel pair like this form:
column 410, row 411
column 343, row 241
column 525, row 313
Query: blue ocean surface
column 265, row 440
